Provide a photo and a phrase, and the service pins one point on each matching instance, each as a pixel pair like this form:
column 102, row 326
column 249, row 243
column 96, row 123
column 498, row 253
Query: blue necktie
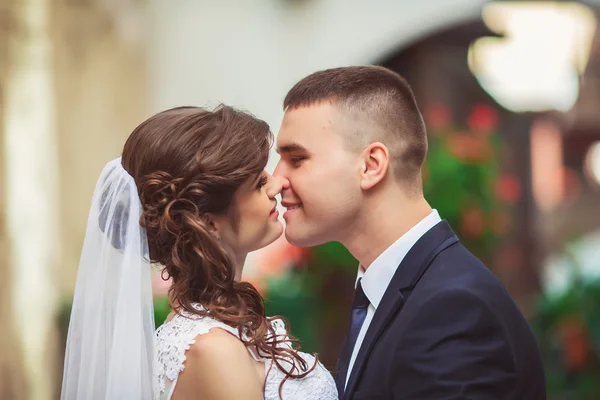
column 359, row 313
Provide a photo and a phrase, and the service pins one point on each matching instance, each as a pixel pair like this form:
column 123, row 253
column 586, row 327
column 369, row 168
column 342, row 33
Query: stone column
column 12, row 375
column 101, row 95
column 30, row 198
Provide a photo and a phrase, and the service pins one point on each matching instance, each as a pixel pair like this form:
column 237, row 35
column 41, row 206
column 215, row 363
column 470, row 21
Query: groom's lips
column 291, row 207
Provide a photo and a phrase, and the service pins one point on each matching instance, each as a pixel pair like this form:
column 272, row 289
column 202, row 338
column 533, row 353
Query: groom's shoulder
column 458, row 262
column 457, row 270
column 458, row 283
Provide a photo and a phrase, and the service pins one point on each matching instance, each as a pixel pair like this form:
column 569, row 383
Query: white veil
column 110, row 346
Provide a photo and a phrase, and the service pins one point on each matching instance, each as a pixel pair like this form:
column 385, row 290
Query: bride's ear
column 213, row 225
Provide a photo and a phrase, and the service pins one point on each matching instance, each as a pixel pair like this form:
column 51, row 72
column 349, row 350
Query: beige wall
column 100, row 97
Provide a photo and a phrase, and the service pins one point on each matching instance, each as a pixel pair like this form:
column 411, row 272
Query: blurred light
column 547, row 165
column 536, row 66
column 579, row 260
column 592, row 162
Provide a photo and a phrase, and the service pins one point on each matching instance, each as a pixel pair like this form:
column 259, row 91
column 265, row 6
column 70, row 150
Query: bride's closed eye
column 261, row 182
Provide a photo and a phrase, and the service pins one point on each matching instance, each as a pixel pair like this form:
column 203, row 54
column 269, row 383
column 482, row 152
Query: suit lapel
column 408, row 273
column 388, row 307
column 342, row 367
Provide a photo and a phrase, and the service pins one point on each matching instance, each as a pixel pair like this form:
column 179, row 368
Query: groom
column 429, row 321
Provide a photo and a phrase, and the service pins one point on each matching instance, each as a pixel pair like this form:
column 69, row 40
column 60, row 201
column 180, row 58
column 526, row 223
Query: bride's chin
column 275, row 232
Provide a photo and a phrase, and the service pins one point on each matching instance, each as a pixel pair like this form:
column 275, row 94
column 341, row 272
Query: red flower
column 483, row 119
column 469, row 148
column 575, row 343
column 472, row 223
column 276, row 258
column 508, row 189
column 438, row 116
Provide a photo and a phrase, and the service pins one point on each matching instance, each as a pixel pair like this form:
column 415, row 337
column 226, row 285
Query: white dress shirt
column 379, row 274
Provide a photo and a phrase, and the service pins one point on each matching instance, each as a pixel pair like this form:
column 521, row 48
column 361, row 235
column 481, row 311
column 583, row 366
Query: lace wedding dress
column 177, row 335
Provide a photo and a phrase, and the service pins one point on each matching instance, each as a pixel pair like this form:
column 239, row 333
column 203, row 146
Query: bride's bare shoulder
column 218, row 366
column 216, row 344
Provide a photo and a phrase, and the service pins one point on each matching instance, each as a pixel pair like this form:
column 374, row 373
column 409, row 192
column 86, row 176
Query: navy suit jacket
column 446, row 329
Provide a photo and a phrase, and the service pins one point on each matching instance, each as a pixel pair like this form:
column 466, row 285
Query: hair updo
column 188, row 162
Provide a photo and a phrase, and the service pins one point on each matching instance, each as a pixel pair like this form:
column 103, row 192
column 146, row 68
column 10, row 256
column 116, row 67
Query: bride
column 190, row 194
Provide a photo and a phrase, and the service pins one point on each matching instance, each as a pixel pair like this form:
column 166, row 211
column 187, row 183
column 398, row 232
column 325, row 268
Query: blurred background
column 510, row 92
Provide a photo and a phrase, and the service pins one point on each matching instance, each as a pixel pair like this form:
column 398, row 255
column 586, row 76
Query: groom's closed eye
column 297, row 160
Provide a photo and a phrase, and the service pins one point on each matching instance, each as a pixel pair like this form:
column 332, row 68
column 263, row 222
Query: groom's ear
column 375, row 160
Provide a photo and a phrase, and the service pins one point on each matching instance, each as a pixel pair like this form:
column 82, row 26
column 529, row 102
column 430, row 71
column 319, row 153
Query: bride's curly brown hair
column 187, row 162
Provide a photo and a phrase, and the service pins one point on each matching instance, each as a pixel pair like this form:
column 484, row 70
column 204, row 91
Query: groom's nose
column 278, row 174
column 275, row 186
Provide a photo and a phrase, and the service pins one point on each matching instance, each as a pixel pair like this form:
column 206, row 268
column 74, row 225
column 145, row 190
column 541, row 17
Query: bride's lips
column 291, row 207
column 274, row 213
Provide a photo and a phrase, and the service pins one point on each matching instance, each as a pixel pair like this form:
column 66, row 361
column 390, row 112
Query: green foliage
column 288, row 297
column 335, row 256
column 464, row 181
column 161, row 310
column 567, row 328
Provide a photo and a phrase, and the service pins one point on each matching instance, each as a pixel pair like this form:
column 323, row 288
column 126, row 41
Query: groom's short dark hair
column 380, row 105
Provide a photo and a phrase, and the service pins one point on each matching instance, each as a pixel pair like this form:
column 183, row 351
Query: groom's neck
column 381, row 225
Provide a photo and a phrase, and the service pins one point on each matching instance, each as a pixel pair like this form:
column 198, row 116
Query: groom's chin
column 293, row 239
column 299, row 240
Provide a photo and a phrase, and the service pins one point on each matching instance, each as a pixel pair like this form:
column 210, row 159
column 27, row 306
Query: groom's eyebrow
column 290, row 148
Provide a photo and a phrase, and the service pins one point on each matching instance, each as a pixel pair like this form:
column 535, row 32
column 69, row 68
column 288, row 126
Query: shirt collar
column 378, row 276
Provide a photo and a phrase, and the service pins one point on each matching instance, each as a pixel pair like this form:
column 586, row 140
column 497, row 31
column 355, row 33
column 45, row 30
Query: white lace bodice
column 175, row 337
